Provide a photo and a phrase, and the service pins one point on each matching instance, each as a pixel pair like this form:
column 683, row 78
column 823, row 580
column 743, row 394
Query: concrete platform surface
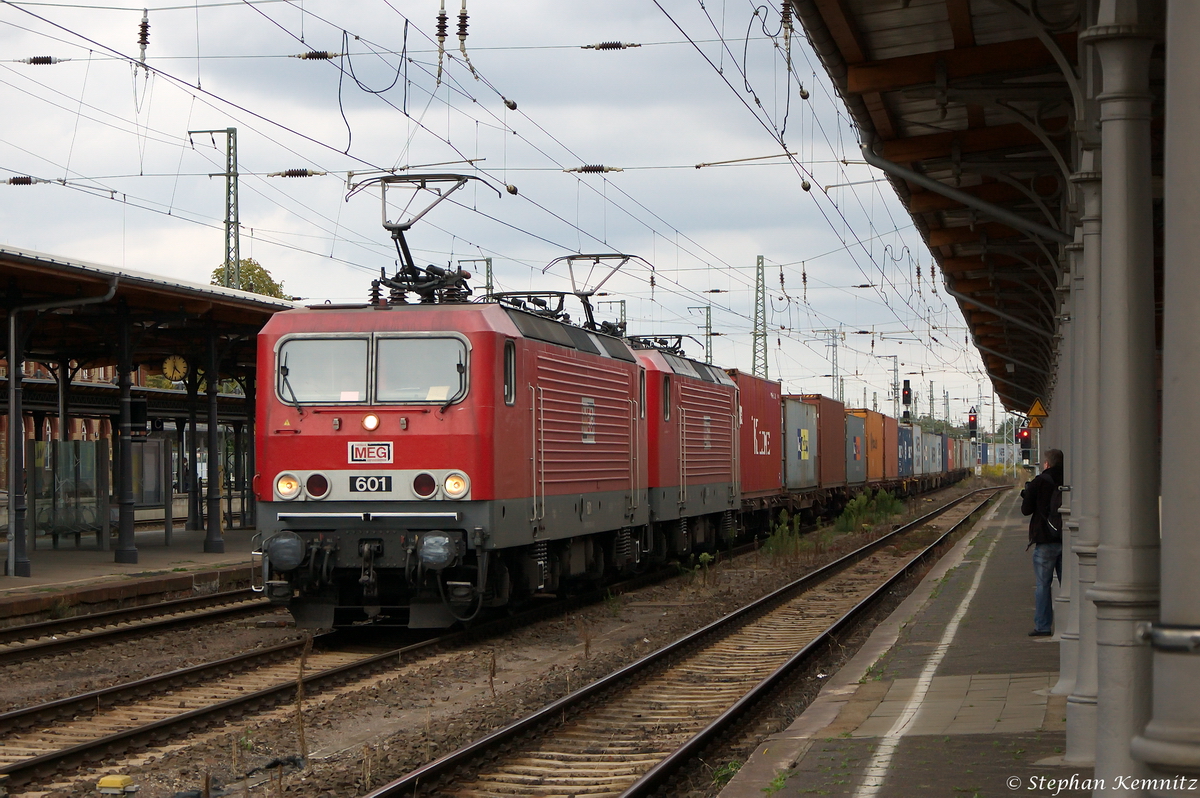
column 948, row 697
column 87, row 575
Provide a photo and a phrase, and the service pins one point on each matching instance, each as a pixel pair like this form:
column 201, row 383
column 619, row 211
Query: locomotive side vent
column 541, row 555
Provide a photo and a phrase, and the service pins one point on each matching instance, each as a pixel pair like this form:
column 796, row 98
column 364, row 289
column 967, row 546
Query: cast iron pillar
column 213, row 542
column 1126, row 588
column 1171, row 740
column 193, row 452
column 18, row 557
column 1085, row 476
column 126, row 551
column 1066, row 608
column 249, row 503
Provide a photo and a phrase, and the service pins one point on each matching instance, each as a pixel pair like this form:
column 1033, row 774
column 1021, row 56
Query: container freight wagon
column 918, row 450
column 891, row 448
column 874, row 449
column 904, row 450
column 831, row 439
column 761, row 419
column 856, row 449
column 800, row 443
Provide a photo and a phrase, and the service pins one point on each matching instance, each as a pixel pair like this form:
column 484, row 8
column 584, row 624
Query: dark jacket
column 1039, row 500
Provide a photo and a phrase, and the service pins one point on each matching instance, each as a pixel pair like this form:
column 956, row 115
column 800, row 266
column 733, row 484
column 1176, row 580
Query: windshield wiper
column 462, row 370
column 283, row 373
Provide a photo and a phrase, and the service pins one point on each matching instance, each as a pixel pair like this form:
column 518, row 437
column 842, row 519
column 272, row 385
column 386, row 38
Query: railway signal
column 1024, row 440
column 906, row 398
column 972, row 423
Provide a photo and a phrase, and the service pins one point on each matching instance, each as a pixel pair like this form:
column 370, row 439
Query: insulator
column 42, row 60
column 317, row 55
column 511, row 189
column 442, row 21
column 609, row 46
column 20, row 180
column 786, row 14
column 296, row 173
column 803, row 93
column 804, row 184
column 462, row 21
column 375, row 297
column 592, row 168
column 144, row 32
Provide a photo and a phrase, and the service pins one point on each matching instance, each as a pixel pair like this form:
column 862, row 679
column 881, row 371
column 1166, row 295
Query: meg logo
column 370, row 452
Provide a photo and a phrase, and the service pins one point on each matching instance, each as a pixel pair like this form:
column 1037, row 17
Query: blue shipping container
column 905, row 436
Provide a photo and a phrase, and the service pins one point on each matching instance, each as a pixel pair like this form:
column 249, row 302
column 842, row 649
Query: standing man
column 1041, row 500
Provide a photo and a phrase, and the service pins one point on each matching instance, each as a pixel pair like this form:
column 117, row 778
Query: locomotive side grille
column 587, row 441
column 709, row 432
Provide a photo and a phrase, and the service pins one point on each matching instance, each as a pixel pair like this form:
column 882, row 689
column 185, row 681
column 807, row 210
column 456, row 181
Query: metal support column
column 126, row 551
column 1066, row 616
column 213, row 542
column 18, row 558
column 1171, row 740
column 238, row 478
column 249, row 507
column 195, row 513
column 64, row 389
column 1126, row 589
column 1085, row 478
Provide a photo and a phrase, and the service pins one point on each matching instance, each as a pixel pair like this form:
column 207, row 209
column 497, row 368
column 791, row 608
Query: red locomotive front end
column 420, row 462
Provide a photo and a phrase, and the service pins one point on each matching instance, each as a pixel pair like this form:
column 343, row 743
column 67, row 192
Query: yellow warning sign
column 1034, row 422
column 1038, row 410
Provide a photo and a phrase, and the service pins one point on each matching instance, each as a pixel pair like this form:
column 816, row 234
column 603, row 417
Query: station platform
column 948, row 697
column 70, row 576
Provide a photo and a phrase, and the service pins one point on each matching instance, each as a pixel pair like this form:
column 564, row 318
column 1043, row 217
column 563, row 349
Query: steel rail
column 555, row 709
column 52, row 645
column 14, row 634
column 666, row 768
column 55, row 762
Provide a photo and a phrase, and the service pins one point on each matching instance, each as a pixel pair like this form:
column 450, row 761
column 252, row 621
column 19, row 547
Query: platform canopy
column 981, row 98
column 167, row 316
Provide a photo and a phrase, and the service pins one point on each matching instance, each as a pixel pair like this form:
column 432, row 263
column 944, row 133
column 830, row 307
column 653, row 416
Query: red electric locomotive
column 419, row 462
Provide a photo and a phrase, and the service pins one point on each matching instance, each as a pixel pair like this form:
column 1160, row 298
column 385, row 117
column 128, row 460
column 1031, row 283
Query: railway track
column 55, row 636
column 627, row 733
column 44, row 740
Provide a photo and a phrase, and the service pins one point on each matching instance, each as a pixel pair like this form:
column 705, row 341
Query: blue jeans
column 1047, row 563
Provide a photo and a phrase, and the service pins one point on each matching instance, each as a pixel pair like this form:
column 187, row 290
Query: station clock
column 175, row 368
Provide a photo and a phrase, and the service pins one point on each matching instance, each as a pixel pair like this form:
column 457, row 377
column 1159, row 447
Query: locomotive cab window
column 322, row 370
column 666, row 397
column 510, row 372
column 642, row 391
column 420, row 370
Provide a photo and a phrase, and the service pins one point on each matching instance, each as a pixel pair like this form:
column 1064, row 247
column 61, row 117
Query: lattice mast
column 759, row 367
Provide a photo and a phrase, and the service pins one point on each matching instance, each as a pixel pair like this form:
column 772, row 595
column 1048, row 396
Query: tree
column 254, row 278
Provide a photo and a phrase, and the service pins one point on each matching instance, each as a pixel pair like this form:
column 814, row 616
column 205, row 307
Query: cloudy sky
column 709, row 84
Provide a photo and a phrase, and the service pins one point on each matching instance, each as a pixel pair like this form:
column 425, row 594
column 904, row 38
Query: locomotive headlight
column 317, row 486
column 370, row 422
column 436, row 550
column 424, row 485
column 456, row 485
column 285, row 551
column 287, row 486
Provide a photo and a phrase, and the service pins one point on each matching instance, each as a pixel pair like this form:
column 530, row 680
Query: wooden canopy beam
column 894, row 74
column 980, row 139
